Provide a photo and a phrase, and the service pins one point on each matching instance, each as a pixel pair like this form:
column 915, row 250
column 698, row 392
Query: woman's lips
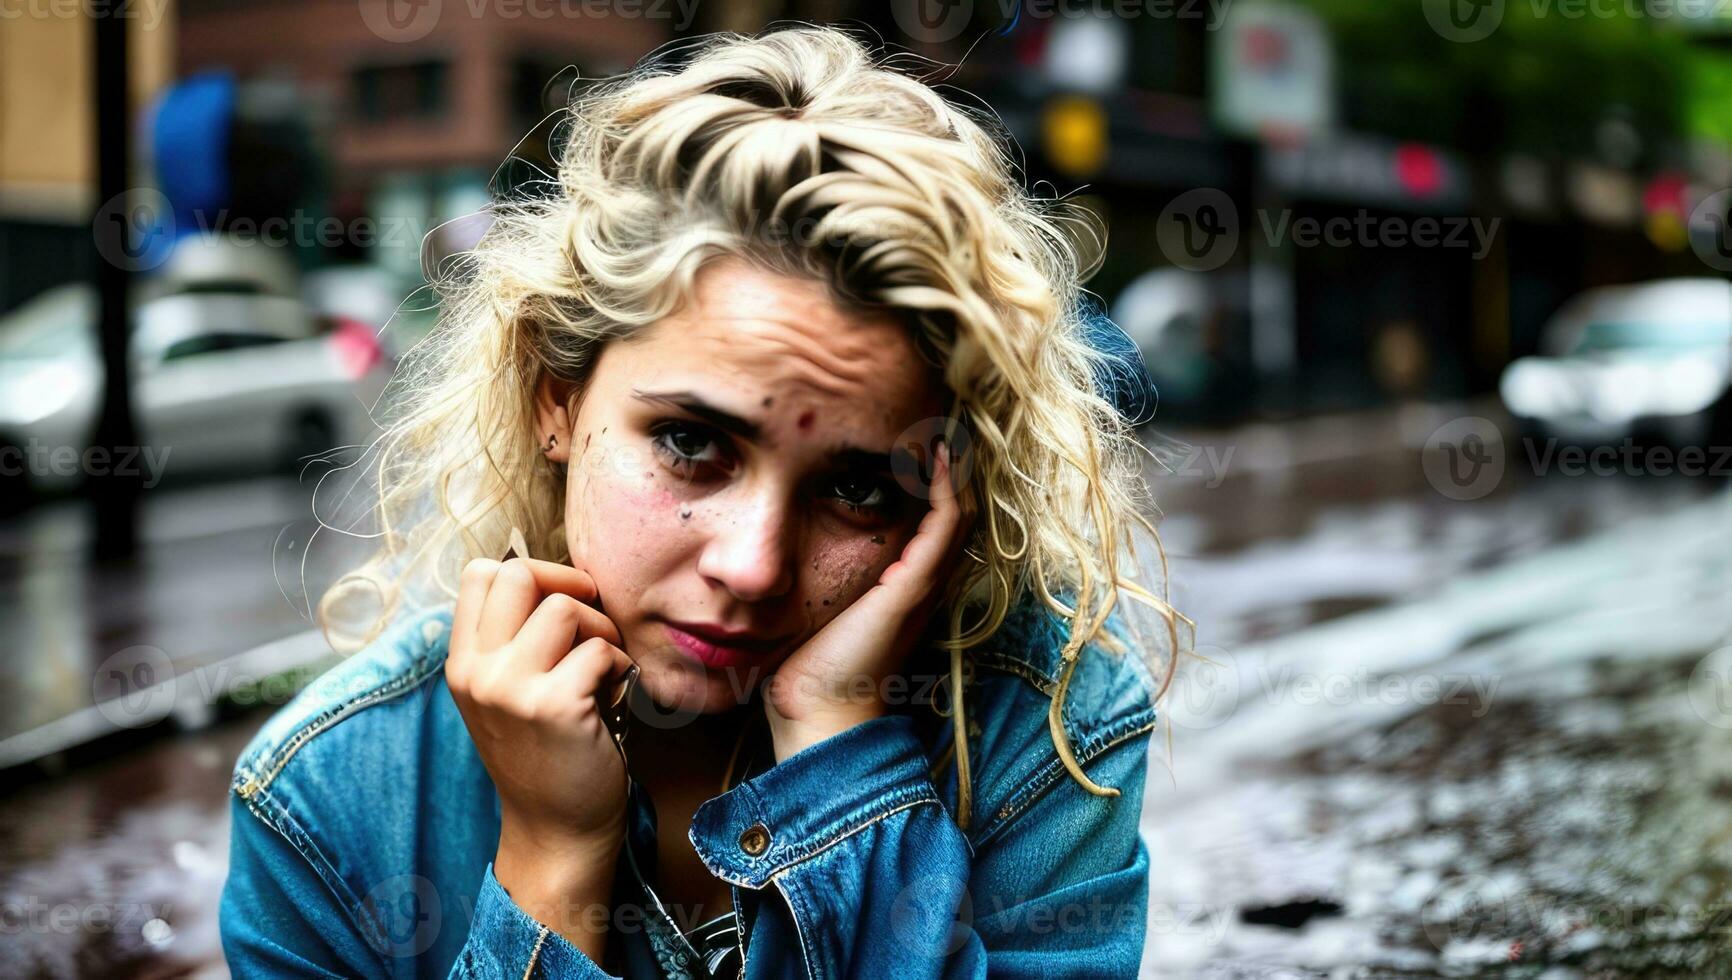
column 713, row 654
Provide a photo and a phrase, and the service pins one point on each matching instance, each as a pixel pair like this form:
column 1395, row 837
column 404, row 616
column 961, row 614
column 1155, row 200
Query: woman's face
column 729, row 469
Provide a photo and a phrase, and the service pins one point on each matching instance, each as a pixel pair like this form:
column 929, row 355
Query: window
column 412, row 91
column 211, row 343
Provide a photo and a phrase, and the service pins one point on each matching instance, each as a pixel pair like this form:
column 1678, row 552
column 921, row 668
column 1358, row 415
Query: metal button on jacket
column 755, row 840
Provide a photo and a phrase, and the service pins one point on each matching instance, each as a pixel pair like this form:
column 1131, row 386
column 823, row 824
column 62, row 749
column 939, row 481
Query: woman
column 714, row 730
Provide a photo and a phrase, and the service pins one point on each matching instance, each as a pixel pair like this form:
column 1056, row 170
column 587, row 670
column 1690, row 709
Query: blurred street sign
column 1360, row 168
column 1274, row 71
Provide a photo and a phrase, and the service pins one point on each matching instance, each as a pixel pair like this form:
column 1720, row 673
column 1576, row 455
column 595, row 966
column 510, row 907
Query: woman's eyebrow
column 844, row 457
column 853, row 459
column 691, row 404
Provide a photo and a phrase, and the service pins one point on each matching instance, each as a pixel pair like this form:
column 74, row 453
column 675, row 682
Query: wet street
column 1433, row 736
column 112, row 855
column 1488, row 737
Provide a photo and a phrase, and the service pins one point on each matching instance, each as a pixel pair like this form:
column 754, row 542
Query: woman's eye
column 685, row 445
column 863, row 493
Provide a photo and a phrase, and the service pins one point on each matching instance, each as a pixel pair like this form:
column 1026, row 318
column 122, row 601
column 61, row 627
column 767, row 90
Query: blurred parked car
column 1186, row 324
column 1649, row 361
column 230, row 373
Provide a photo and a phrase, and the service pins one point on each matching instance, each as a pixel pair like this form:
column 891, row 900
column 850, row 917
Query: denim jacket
column 364, row 826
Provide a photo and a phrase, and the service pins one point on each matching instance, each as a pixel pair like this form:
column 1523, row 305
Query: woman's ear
column 553, row 418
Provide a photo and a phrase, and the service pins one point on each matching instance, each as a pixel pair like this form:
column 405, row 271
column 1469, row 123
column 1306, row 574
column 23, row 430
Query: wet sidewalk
column 223, row 569
column 1439, row 738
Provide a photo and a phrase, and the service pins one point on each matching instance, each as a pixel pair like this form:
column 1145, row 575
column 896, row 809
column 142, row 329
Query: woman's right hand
column 532, row 665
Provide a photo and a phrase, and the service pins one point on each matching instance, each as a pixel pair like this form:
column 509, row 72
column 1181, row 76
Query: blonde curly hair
column 800, row 149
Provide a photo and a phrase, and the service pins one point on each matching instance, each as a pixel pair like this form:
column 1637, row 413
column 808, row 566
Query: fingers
column 496, row 600
column 556, row 625
column 511, row 598
column 595, row 664
column 919, row 566
column 551, row 577
column 518, row 587
column 471, row 594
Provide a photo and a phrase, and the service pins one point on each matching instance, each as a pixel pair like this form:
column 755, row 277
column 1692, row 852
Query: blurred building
column 48, row 132
column 1398, row 208
column 414, row 107
column 1513, row 170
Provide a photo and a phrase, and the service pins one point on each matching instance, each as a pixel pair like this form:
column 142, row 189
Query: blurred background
column 1435, row 296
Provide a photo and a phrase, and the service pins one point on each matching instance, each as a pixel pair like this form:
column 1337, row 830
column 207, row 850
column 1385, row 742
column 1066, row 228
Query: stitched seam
column 1046, row 685
column 925, row 795
column 316, row 861
column 1042, row 780
column 891, row 802
column 791, row 865
column 535, row 954
column 794, row 909
column 331, row 716
column 776, row 878
column 1047, row 776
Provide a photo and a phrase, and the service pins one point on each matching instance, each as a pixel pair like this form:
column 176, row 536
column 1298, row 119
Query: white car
column 1649, row 359
column 227, row 379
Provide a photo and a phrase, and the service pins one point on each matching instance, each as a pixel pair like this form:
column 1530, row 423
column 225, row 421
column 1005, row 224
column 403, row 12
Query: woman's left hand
column 835, row 680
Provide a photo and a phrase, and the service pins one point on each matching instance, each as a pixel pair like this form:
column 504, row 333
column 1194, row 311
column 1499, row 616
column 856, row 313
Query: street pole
column 113, row 495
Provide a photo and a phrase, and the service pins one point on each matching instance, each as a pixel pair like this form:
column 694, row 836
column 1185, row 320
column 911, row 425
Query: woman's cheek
column 842, row 571
column 624, row 508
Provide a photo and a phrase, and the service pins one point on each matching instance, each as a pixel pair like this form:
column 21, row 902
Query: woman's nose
column 750, row 549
